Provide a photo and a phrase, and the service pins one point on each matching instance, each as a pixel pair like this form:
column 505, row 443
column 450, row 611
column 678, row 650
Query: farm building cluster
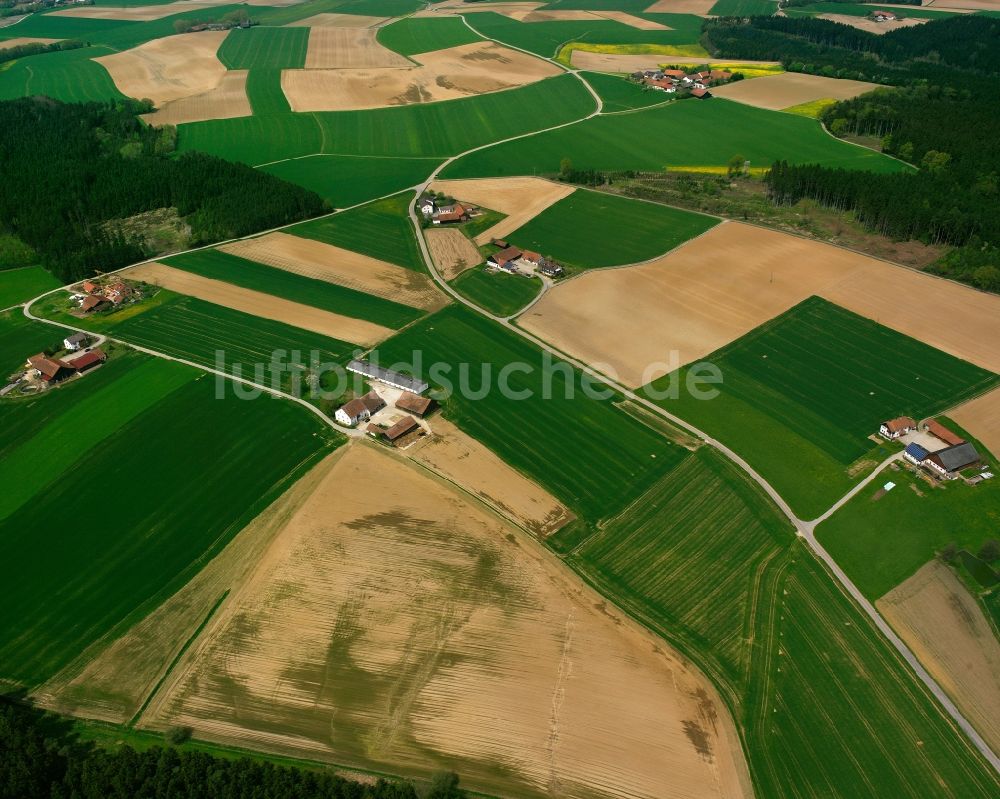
column 46, row 369
column 441, row 211
column 93, row 296
column 521, row 262
column 682, row 83
column 935, row 449
column 880, row 15
column 391, row 408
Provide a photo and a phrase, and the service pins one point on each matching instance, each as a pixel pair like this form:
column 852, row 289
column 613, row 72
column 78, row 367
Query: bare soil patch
column 226, row 101
column 344, row 328
column 463, row 460
column 735, row 277
column 619, row 62
column 870, row 25
column 452, row 251
column 394, row 624
column 168, row 69
column 791, row 88
column 136, row 13
column 8, row 43
column 981, row 417
column 941, row 622
column 453, row 73
column 343, row 267
column 697, row 7
column 633, row 21
column 350, row 48
column 330, row 20
column 521, row 199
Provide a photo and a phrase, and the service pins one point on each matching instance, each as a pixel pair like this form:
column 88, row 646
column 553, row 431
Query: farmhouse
column 953, row 459
column 883, row 16
column 387, row 376
column 419, row 406
column 427, row 206
column 897, row 427
column 505, row 258
column 48, row 369
column 359, row 409
column 915, row 454
column 450, row 213
column 75, row 342
column 117, row 293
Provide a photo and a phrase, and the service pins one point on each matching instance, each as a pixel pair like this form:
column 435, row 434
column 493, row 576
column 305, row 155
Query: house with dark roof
column 93, row 303
column 359, row 409
column 915, row 454
column 953, row 459
column 894, row 428
column 76, row 341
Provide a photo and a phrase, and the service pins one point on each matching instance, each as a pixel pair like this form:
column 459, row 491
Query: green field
column 264, row 92
column 297, row 288
column 265, row 48
column 202, row 332
column 499, row 293
column 620, row 94
column 18, row 285
column 431, row 129
column 802, row 393
column 20, row 338
column 67, row 75
column 571, row 446
column 134, row 529
column 545, row 38
column 593, row 229
column 51, row 27
column 860, row 10
column 381, row 229
column 686, row 133
column 827, row 708
column 411, row 36
column 346, row 180
column 743, row 8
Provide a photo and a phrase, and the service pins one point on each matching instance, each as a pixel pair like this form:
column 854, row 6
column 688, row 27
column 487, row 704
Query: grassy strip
column 499, row 293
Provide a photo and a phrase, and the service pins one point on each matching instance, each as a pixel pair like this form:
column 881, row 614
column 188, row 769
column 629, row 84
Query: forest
column 41, row 758
column 940, row 116
column 67, row 170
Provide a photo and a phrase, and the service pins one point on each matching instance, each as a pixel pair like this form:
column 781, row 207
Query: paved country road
column 805, row 529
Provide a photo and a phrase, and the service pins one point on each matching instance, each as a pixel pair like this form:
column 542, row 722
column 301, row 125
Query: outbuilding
column 894, row 428
column 405, row 425
column 387, row 376
column 417, row 405
column 953, row 459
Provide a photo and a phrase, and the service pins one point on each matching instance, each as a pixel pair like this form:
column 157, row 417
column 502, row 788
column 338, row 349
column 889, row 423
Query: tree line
column 40, row 758
column 67, row 170
column 37, row 48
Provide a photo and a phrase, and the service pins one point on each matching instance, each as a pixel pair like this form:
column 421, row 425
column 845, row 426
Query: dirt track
column 393, row 624
column 226, row 101
column 776, row 92
column 450, row 74
column 168, row 69
column 521, row 199
column 942, row 623
column 343, row 267
column 267, row 306
column 452, row 251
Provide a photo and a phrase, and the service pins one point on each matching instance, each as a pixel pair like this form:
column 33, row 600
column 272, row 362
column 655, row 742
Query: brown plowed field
column 870, row 25
column 170, row 68
column 267, row 306
column 329, row 20
column 452, row 251
column 343, row 267
column 8, row 43
column 394, row 624
column 981, row 417
column 941, row 622
column 136, row 13
column 791, row 88
column 521, row 199
column 697, row 7
column 449, row 74
column 349, row 48
column 735, row 277
column 226, row 101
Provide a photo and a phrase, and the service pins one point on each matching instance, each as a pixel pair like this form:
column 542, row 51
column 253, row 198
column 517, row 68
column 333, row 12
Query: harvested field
column 226, row 101
column 331, row 20
column 697, row 7
column 618, row 62
column 136, row 13
column 343, row 267
column 463, row 460
column 871, row 26
column 348, row 48
column 632, row 21
column 965, row 5
column 453, row 73
column 393, row 624
column 521, row 199
column 791, row 88
column 452, row 251
column 8, row 43
column 728, row 281
column 941, row 622
column 267, row 306
column 170, row 68
column 981, row 417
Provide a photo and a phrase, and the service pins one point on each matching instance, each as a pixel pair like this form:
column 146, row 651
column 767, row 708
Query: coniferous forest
column 68, row 169
column 940, row 116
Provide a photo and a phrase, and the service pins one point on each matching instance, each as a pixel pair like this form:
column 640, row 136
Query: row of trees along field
column 941, row 117
column 41, row 759
column 67, row 170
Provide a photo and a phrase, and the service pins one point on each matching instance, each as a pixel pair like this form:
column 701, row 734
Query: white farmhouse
column 359, row 409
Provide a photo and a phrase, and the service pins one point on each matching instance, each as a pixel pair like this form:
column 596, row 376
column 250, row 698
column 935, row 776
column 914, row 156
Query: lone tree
column 179, row 735
column 735, row 165
column 565, row 169
column 990, row 551
column 949, row 552
column 444, row 785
